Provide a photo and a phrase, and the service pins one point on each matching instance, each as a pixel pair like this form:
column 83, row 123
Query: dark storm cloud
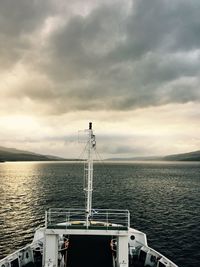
column 160, row 25
column 22, row 16
column 18, row 18
column 118, row 56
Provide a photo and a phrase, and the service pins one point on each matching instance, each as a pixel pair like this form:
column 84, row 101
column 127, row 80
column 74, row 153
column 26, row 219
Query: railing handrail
column 122, row 210
column 55, row 216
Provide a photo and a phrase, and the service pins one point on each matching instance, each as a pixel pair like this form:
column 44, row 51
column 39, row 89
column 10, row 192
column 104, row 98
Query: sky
column 130, row 67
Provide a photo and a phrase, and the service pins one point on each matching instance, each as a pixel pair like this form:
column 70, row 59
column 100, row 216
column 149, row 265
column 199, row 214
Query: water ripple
column 163, row 200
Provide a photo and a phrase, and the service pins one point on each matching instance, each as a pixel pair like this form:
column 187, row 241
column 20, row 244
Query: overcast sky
column 131, row 67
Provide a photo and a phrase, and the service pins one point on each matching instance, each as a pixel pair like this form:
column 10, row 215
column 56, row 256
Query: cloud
column 160, row 130
column 100, row 55
column 18, row 19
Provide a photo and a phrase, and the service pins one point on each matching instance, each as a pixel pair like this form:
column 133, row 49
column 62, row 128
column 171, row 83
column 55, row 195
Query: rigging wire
column 107, row 176
column 79, row 160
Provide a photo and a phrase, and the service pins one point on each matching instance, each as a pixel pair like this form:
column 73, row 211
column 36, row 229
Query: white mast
column 89, row 173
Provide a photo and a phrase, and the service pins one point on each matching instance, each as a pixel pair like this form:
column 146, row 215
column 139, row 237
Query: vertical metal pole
column 89, row 175
column 128, row 219
column 46, row 218
column 107, row 219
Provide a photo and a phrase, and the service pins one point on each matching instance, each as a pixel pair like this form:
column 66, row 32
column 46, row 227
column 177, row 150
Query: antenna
column 91, row 144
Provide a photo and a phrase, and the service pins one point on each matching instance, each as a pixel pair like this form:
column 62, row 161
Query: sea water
column 162, row 197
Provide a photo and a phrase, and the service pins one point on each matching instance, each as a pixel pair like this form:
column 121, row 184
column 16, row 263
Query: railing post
column 46, row 218
column 128, row 218
column 68, row 220
column 49, row 217
column 107, row 219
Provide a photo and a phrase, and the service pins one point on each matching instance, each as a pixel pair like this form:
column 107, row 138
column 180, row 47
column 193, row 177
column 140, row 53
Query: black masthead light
column 90, row 125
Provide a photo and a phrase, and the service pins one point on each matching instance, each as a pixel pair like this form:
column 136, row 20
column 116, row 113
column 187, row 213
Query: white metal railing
column 77, row 217
column 20, row 254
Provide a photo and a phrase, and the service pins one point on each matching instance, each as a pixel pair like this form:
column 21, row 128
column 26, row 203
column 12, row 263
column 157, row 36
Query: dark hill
column 12, row 154
column 191, row 156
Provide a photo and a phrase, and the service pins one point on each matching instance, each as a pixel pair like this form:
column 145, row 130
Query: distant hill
column 12, row 154
column 135, row 159
column 191, row 156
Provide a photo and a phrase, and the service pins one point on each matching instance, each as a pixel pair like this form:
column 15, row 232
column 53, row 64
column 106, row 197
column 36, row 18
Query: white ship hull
column 95, row 245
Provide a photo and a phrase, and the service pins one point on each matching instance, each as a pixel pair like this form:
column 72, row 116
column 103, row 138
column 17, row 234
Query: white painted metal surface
column 91, row 144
